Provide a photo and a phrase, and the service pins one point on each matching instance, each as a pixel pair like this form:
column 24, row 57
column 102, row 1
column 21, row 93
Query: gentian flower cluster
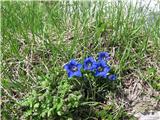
column 100, row 68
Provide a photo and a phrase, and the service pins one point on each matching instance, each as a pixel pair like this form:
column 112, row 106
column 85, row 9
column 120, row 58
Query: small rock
column 149, row 116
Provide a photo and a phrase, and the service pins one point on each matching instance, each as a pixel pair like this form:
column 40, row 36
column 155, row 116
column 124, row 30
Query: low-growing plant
column 48, row 102
column 94, row 77
column 83, row 86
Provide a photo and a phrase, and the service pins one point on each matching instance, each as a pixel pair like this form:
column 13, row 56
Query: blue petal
column 96, row 74
column 103, row 63
column 91, row 59
column 107, row 69
column 101, row 55
column 78, row 74
column 94, row 66
column 74, row 62
column 97, row 64
column 85, row 68
column 66, row 66
column 108, row 58
column 104, row 76
column 112, row 77
column 79, row 66
column 101, row 74
column 70, row 74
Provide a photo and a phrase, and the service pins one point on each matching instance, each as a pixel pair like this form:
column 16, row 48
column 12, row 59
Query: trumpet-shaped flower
column 89, row 64
column 73, row 68
column 112, row 77
column 103, row 56
column 102, row 69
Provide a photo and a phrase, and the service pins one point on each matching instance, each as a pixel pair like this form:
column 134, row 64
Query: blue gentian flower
column 112, row 77
column 73, row 68
column 103, row 56
column 89, row 64
column 102, row 69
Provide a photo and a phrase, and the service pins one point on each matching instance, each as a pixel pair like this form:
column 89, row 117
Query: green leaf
column 50, row 111
column 36, row 105
column 59, row 113
column 45, row 84
column 28, row 113
column 6, row 83
column 59, row 105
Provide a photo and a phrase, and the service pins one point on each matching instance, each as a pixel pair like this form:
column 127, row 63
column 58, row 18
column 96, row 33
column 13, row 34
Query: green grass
column 38, row 38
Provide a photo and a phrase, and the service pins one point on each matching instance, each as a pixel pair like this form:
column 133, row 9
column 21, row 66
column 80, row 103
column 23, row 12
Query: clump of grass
column 39, row 37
